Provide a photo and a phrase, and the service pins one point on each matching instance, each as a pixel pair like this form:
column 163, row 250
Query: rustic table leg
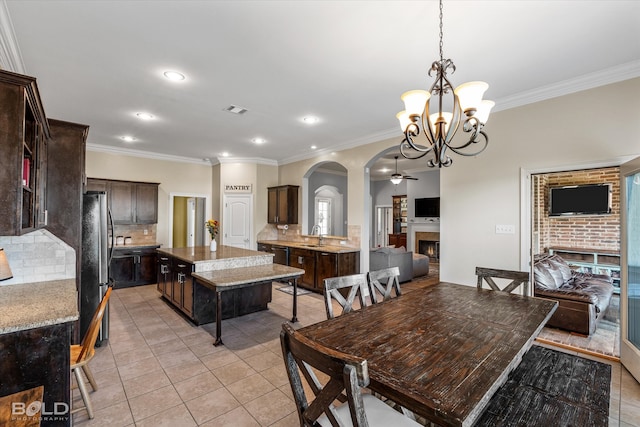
column 218, row 340
column 294, row 319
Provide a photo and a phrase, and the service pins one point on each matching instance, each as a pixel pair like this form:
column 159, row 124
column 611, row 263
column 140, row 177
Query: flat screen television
column 428, row 207
column 590, row 199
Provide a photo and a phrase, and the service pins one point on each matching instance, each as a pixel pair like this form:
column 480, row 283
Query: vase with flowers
column 213, row 226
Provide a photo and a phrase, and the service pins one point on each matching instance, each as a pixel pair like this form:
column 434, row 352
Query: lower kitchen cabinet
column 305, row 259
column 164, row 276
column 133, row 267
column 330, row 264
column 319, row 265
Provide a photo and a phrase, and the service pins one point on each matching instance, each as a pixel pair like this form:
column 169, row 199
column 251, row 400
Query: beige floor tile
column 118, row 415
column 264, row 360
column 154, row 402
column 271, row 407
column 219, row 359
column 229, row 374
column 212, row 405
column 145, row 383
column 241, row 383
column 178, row 416
column 197, row 386
column 238, row 417
column 250, row 388
column 178, row 357
column 136, row 369
column 184, row 371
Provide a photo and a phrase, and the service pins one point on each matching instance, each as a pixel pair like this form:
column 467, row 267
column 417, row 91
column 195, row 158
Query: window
column 323, row 215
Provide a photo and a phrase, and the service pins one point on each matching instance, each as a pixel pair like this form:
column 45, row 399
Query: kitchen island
column 36, row 321
column 191, row 279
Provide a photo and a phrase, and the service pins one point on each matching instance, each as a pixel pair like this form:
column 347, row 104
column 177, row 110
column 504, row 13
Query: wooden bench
column 235, row 278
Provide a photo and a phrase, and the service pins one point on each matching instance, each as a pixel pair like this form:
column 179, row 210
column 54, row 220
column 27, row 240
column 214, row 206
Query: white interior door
column 630, row 267
column 384, row 225
column 236, row 222
column 191, row 222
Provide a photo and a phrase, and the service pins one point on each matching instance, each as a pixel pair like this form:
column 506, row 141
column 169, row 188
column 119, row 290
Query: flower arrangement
column 213, row 227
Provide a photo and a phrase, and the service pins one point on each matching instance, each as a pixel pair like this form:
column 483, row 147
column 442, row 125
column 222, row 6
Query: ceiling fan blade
column 410, row 177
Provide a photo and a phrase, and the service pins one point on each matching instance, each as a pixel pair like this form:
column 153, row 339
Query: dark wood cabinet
column 121, row 202
column 146, row 199
column 305, row 259
column 182, row 285
column 398, row 240
column 130, row 202
column 330, row 264
column 164, row 275
column 24, row 132
column 282, row 205
column 133, row 267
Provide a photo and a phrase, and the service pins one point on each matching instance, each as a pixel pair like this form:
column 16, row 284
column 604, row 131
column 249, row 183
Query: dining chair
column 517, row 278
column 345, row 375
column 353, row 285
column 383, row 284
column 81, row 355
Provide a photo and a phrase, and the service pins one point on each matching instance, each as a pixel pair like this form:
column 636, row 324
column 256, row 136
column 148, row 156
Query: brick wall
column 580, row 231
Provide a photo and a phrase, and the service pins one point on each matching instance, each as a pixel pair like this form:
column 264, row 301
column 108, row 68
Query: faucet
column 318, row 229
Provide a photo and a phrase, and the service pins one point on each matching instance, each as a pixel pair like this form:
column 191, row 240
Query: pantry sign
column 238, row 188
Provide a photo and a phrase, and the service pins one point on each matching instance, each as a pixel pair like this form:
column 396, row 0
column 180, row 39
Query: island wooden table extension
column 443, row 351
column 234, row 278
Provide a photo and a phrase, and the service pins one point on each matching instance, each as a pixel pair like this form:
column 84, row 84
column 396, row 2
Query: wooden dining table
column 442, row 351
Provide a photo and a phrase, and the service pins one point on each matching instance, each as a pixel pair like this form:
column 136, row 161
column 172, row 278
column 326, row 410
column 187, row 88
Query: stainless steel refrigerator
column 96, row 256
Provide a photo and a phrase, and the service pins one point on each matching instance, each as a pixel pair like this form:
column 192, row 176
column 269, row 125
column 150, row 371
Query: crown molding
column 10, row 56
column 604, row 77
column 253, row 160
column 145, row 154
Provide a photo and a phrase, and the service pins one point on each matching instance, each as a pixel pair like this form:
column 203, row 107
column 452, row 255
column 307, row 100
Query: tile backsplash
column 137, row 233
column 38, row 256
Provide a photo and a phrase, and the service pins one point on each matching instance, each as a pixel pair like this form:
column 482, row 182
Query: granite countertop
column 37, row 304
column 312, row 245
column 238, row 277
column 202, row 254
column 136, row 246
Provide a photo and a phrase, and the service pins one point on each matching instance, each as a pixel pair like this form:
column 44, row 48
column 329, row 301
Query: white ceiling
column 345, row 62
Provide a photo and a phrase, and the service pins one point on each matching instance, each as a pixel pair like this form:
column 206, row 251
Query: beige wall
column 585, row 128
column 179, row 178
column 569, row 132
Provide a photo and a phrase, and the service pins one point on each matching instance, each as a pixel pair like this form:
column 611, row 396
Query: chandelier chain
column 441, row 34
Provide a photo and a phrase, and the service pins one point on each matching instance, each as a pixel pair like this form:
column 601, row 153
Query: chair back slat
column 517, row 278
column 346, row 375
column 383, row 284
column 355, row 286
column 89, row 339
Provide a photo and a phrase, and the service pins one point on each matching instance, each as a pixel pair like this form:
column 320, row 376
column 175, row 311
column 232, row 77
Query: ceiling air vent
column 235, row 109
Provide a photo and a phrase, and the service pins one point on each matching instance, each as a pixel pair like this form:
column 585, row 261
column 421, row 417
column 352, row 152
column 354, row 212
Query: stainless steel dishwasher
column 281, row 255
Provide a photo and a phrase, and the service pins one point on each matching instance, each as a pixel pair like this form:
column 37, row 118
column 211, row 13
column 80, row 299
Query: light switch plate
column 505, row 229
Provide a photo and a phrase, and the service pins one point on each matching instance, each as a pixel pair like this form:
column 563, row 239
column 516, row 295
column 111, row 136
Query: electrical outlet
column 145, row 232
column 505, row 229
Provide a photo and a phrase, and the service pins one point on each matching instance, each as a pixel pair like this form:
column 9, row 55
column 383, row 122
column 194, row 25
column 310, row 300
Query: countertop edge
column 302, row 245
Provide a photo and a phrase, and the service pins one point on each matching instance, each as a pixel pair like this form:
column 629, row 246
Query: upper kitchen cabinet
column 129, row 202
column 65, row 177
column 24, row 133
column 282, row 204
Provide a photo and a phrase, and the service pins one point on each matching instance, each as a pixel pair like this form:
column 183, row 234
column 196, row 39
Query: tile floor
column 158, row 369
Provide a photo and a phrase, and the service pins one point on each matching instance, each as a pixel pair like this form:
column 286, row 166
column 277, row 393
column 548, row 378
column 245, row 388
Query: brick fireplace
column 428, row 243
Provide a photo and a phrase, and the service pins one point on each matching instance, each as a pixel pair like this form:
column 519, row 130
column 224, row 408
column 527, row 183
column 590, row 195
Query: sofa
column 410, row 265
column 583, row 298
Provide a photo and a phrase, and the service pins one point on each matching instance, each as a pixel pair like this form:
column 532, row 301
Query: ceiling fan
column 397, row 178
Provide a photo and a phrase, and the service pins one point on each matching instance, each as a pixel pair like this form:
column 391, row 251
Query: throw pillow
column 543, row 278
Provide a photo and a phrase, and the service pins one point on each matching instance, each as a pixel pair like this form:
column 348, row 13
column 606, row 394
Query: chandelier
column 439, row 128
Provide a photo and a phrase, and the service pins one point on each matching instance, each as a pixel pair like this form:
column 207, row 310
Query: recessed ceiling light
column 144, row 116
column 224, row 154
column 174, row 76
column 310, row 120
column 258, row 141
column 127, row 138
column 313, row 147
column 385, row 170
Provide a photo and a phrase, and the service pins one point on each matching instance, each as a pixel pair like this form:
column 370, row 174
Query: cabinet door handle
column 182, row 265
column 181, row 277
column 300, row 260
column 164, row 269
